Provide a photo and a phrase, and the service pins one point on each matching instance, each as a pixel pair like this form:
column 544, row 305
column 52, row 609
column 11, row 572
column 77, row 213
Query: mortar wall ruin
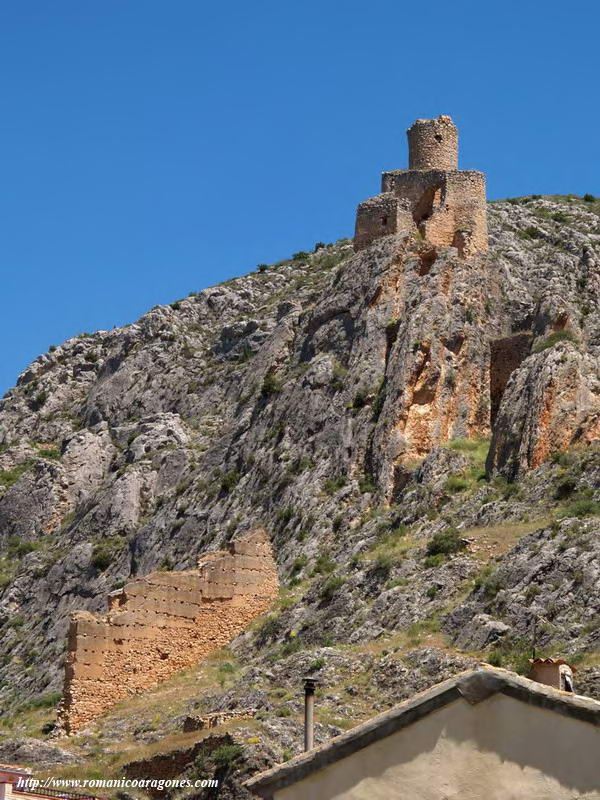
column 163, row 623
column 433, row 144
column 445, row 205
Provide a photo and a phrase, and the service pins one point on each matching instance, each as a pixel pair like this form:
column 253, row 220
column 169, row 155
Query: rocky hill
column 417, row 432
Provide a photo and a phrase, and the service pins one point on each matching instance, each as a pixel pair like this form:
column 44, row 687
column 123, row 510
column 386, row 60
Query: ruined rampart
column 161, row 623
column 433, row 198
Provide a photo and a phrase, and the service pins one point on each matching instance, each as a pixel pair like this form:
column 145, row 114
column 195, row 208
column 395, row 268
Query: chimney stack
column 309, row 711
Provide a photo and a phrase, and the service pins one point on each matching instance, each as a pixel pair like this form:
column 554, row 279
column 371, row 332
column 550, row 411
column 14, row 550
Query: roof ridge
column 473, row 686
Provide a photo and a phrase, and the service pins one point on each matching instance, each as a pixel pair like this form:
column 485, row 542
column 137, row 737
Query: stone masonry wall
column 380, row 216
column 445, row 205
column 162, row 623
column 433, row 144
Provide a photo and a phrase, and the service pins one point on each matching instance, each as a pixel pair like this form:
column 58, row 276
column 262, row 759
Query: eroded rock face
column 32, row 751
column 300, row 399
column 549, row 581
column 551, row 402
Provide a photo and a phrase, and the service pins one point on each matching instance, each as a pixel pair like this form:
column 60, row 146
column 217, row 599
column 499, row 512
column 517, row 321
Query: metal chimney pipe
column 309, row 712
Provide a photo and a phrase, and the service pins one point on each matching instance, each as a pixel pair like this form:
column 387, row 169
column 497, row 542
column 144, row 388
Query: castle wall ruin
column 162, row 623
column 445, row 205
column 433, row 144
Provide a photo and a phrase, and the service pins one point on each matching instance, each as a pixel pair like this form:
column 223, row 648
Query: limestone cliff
column 316, row 399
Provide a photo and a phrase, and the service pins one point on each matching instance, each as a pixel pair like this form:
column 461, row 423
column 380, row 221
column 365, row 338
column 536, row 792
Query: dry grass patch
column 496, row 540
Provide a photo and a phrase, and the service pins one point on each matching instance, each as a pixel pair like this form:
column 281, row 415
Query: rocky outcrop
column 314, row 398
column 34, row 752
column 551, row 402
column 546, row 588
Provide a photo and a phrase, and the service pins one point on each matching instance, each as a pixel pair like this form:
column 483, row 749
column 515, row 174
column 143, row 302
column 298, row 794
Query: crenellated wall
column 162, row 623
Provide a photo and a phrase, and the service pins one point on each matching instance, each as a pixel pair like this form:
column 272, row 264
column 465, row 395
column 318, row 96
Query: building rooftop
column 473, row 686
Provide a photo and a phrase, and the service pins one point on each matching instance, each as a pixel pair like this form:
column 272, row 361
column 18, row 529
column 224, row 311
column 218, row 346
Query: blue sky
column 149, row 149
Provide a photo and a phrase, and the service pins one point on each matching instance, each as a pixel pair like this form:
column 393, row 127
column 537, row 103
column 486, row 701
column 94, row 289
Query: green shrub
column 382, row 566
column 445, row 543
column 330, row 587
column 456, row 483
column 226, row 755
column 299, row 465
column 490, row 582
column 431, row 562
column 48, row 700
column 561, row 458
column 262, row 267
column 366, row 485
column 105, row 552
column 298, row 565
column 583, row 507
column 511, row 654
column 283, row 711
column 290, row 647
column 396, row 582
column 332, row 485
column 9, row 477
column 379, row 400
column 271, row 385
column 531, row 232
column 565, row 488
column 286, row 515
column 324, row 564
column 301, row 255
column 360, row 399
column 50, row 453
column 464, row 445
column 102, row 558
column 39, row 400
column 589, row 198
column 552, row 340
column 339, row 376
column 17, row 548
column 269, row 628
column 230, row 480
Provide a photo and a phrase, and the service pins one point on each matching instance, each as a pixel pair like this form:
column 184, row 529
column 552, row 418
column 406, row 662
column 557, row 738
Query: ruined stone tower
column 433, row 197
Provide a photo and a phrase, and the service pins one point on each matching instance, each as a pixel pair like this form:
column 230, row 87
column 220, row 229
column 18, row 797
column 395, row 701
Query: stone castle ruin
column 162, row 623
column 445, row 205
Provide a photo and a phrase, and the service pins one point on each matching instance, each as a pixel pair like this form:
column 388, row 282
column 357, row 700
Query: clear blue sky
column 152, row 148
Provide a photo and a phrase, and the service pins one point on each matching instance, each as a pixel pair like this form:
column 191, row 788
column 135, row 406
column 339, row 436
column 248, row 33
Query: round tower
column 433, row 144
